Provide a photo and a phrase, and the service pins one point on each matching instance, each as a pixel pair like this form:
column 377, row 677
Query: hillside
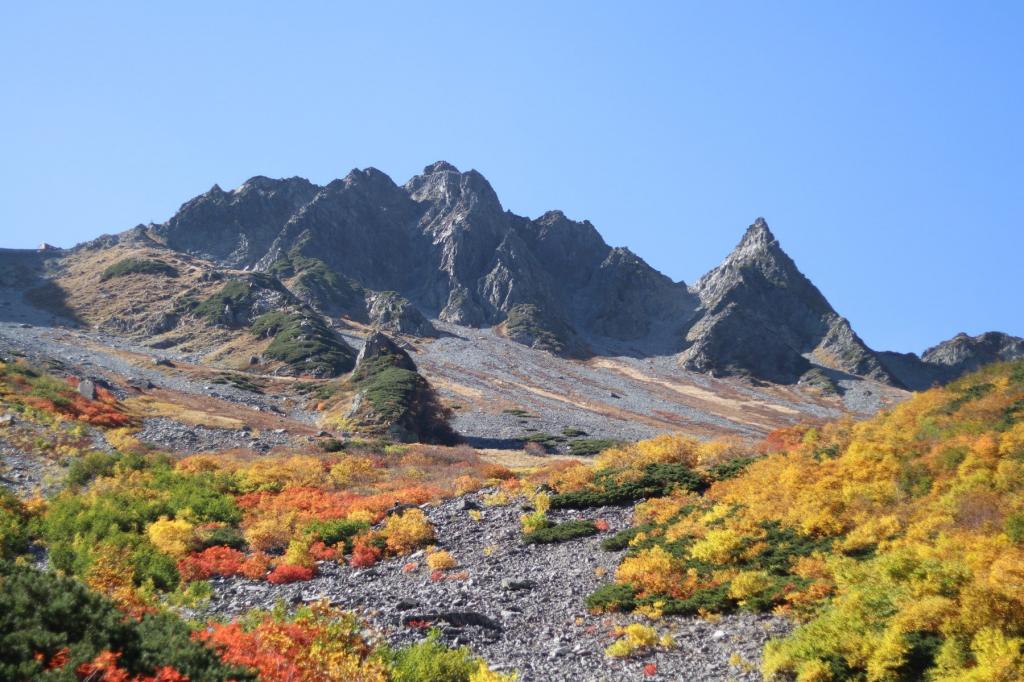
column 884, row 549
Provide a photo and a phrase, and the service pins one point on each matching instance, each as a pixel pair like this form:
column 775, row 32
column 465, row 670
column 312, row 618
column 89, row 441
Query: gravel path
column 520, row 606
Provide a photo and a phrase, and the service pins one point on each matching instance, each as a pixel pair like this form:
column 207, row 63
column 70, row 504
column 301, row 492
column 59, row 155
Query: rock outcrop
column 392, row 399
column 761, row 316
column 392, row 312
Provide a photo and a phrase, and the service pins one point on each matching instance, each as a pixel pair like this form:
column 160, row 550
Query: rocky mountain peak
column 760, row 314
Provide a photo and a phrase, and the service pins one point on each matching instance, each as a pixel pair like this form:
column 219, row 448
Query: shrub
column 287, row 573
column 333, row 531
column 561, row 532
column 636, row 638
column 14, row 533
column 90, row 466
column 612, row 597
column 45, row 614
column 406, row 531
column 441, row 560
column 431, row 661
column 364, row 553
column 586, row 447
column 211, row 561
column 173, row 537
column 303, row 341
column 653, row 480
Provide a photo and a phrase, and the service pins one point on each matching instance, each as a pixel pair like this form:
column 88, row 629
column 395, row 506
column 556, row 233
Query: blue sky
column 883, row 142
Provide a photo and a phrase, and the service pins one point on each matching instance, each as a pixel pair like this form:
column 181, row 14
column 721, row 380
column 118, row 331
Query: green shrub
column 612, row 597
column 586, row 447
column 43, row 613
column 90, row 466
column 730, row 469
column 430, row 661
column 303, row 342
column 14, row 532
column 334, row 530
column 620, row 541
column 1014, row 527
column 222, row 536
column 138, row 266
column 657, row 480
column 561, row 532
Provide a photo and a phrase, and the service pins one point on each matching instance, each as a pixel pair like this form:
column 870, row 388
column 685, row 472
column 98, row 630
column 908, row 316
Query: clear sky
column 882, row 141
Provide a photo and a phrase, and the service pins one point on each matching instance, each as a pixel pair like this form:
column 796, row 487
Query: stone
column 87, row 389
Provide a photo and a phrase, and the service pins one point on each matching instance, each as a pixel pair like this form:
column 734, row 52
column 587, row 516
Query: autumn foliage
column 897, row 541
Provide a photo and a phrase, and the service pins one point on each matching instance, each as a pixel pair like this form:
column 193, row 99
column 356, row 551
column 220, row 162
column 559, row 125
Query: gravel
column 521, row 607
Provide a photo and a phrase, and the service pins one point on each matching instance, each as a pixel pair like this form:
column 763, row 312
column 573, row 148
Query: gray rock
column 87, row 389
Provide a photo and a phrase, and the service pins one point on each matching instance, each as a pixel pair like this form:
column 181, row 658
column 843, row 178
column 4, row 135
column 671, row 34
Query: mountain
column 286, row 276
column 760, row 315
column 444, row 242
column 952, row 358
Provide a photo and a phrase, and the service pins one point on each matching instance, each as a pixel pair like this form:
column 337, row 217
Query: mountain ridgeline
column 441, row 246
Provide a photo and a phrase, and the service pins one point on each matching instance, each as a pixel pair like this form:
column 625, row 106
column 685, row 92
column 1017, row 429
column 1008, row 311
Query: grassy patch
column 239, row 381
column 303, row 342
column 138, row 266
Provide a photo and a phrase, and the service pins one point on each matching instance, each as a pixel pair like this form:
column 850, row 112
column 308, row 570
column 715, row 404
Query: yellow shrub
column 652, row 571
column 298, row 554
column 661, row 509
column 719, row 546
column 747, row 584
column 499, row 498
column 665, row 449
column 173, row 537
column 355, row 471
column 466, row 484
column 406, row 531
column 541, row 503
column 275, row 474
column 635, row 638
column 361, row 515
column 270, row 533
column 441, row 560
column 485, row 674
column 123, row 439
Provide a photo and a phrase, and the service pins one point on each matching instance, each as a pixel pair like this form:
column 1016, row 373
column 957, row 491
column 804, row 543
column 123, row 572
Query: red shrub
column 286, row 573
column 364, row 554
column 601, row 525
column 321, row 552
column 211, row 561
column 650, row 670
